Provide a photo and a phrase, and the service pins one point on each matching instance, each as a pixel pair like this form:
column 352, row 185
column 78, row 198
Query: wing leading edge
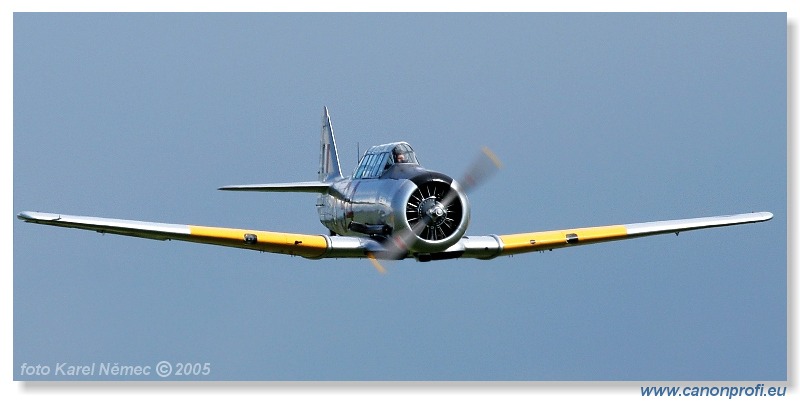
column 487, row 247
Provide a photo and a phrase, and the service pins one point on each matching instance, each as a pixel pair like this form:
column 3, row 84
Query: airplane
column 390, row 208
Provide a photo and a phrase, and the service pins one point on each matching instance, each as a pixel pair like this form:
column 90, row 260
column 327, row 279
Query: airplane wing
column 487, row 247
column 308, row 246
column 323, row 246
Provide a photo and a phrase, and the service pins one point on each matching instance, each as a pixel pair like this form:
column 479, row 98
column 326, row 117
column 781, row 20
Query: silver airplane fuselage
column 386, row 197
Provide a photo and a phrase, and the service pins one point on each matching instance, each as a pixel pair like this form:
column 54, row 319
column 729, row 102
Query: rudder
column 329, row 168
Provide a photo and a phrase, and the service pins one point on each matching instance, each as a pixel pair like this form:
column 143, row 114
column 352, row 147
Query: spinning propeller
column 434, row 210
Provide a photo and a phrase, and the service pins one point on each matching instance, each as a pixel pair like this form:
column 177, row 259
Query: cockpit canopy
column 380, row 158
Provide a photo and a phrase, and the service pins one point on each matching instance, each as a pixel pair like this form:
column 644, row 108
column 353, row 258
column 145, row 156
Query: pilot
column 399, row 157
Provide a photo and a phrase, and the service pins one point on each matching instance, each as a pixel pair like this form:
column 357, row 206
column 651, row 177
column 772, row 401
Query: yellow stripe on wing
column 310, row 246
column 535, row 241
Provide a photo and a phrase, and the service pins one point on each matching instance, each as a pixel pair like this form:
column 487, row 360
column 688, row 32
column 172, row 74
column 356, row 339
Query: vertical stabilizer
column 329, row 168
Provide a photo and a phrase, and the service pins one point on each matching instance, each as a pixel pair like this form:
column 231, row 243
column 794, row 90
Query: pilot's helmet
column 399, row 155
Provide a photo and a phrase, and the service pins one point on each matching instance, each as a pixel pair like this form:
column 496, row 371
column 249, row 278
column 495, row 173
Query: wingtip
column 31, row 216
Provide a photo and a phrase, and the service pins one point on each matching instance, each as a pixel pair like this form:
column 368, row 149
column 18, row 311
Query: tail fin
column 329, row 168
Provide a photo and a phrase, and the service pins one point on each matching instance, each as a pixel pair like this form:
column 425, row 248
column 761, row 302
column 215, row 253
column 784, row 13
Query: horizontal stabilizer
column 304, row 187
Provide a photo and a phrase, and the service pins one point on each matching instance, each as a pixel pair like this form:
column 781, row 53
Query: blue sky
column 598, row 119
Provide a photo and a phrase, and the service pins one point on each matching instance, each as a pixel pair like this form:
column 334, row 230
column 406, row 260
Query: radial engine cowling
column 430, row 214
